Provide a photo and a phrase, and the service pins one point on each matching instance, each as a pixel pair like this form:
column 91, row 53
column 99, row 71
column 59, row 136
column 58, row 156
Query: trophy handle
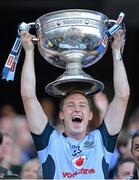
column 32, row 25
column 114, row 25
column 26, row 27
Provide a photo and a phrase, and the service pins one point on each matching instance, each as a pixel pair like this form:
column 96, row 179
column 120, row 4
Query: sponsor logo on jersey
column 83, row 171
column 79, row 161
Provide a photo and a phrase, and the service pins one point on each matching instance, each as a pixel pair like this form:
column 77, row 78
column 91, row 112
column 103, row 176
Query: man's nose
column 77, row 108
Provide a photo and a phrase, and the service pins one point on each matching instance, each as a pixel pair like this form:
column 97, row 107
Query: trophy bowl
column 68, row 39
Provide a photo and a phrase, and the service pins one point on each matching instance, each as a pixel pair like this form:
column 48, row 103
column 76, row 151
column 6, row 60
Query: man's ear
column 90, row 116
column 61, row 115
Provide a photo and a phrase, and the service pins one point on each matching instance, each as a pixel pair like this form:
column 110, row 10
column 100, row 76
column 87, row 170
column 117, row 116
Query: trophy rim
column 52, row 88
column 74, row 10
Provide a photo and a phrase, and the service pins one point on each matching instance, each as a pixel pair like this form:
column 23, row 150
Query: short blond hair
column 75, row 91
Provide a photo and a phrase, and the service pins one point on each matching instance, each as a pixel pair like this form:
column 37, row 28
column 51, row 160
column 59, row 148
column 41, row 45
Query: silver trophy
column 70, row 39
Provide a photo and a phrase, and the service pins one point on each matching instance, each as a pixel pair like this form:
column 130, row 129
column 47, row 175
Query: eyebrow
column 80, row 102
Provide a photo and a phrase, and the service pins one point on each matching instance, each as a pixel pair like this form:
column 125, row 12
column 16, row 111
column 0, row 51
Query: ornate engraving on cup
column 69, row 39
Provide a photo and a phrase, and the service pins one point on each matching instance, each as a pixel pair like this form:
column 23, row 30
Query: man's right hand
column 26, row 39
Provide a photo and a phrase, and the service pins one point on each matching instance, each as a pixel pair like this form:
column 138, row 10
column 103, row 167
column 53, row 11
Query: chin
column 77, row 131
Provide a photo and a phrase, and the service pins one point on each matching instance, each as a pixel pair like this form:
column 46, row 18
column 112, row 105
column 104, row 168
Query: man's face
column 125, row 170
column 30, row 171
column 135, row 151
column 76, row 114
column 6, row 148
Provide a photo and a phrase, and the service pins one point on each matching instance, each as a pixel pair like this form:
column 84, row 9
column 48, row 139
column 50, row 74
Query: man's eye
column 137, row 148
column 70, row 105
column 82, row 105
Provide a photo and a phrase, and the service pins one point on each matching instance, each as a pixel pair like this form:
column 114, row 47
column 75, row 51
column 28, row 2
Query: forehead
column 76, row 97
column 127, row 166
column 31, row 165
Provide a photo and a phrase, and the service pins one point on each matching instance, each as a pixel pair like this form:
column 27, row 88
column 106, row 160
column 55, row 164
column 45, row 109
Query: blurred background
column 13, row 12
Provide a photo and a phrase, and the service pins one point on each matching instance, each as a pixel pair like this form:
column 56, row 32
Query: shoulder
column 135, row 174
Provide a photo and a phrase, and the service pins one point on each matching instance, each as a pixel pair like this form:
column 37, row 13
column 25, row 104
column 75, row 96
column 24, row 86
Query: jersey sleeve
column 109, row 141
column 41, row 141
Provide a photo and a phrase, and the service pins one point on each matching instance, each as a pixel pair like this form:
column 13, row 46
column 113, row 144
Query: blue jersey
column 63, row 157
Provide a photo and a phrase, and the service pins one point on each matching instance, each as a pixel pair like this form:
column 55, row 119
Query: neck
column 76, row 136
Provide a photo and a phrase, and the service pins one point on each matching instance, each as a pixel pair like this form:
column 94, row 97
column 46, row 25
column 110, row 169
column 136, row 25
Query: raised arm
column 35, row 115
column 101, row 103
column 116, row 110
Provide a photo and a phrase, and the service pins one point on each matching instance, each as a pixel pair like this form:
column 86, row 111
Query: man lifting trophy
column 72, row 39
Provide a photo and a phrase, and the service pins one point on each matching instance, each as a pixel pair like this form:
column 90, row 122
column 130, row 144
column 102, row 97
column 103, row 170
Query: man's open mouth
column 77, row 119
